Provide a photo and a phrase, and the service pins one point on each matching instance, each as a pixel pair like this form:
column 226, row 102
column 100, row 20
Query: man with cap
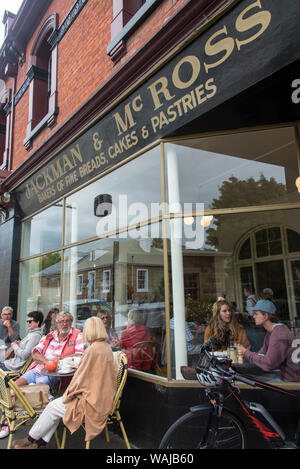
column 277, row 353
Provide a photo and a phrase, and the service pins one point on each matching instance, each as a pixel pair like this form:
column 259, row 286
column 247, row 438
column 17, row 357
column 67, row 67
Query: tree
column 242, row 193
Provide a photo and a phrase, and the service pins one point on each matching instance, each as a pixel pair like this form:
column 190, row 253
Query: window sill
column 117, row 47
column 48, row 120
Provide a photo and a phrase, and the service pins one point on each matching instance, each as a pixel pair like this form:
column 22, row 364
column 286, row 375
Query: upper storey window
column 127, row 16
column 42, row 75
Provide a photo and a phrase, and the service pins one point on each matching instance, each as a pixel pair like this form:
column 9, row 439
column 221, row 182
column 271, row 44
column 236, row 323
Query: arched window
column 42, row 74
column 269, row 257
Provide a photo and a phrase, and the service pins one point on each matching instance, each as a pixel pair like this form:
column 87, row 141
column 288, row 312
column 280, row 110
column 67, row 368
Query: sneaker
column 4, row 432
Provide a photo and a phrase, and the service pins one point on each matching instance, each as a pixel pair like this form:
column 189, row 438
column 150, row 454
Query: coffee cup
column 66, row 368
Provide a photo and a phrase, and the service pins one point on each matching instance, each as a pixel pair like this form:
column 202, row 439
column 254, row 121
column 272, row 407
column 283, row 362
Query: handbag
column 36, row 394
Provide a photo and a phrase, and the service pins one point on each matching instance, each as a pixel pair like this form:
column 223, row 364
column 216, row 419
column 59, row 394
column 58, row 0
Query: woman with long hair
column 224, row 328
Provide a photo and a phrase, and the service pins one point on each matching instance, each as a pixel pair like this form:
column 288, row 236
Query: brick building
column 126, row 122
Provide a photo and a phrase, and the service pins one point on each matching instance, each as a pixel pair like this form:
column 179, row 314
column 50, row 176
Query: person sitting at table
column 224, row 328
column 50, row 321
column 20, row 350
column 9, row 328
column 62, row 342
column 87, row 399
column 111, row 333
column 277, row 350
column 132, row 334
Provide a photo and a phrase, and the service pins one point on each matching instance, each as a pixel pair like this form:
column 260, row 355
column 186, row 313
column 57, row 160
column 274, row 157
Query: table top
column 57, row 373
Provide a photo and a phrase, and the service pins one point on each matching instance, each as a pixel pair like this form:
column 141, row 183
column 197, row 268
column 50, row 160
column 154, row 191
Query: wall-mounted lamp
column 5, row 198
column 102, row 205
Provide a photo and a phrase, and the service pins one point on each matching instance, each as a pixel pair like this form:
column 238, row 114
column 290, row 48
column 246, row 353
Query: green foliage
column 199, row 310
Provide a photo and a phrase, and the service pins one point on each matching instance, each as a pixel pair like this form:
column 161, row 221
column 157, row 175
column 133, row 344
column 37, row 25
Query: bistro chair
column 145, row 354
column 120, row 361
column 9, row 391
column 17, row 374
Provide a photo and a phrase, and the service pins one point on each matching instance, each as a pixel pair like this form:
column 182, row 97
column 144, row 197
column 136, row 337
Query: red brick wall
column 83, row 64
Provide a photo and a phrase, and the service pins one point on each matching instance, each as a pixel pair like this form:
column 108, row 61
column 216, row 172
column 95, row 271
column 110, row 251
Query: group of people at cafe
column 94, row 382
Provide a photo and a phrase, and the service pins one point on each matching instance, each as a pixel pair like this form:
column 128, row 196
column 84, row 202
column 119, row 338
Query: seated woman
column 20, row 350
column 277, row 350
column 50, row 321
column 139, row 358
column 224, row 328
column 89, row 396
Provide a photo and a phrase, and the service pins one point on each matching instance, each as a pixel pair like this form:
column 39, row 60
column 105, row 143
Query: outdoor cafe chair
column 120, row 361
column 16, row 374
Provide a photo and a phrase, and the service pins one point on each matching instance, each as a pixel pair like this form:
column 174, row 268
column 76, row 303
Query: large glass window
column 238, row 170
column 39, row 286
column 43, row 232
column 121, row 277
column 133, row 188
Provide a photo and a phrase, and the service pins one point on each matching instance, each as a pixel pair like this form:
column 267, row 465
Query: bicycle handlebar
column 218, row 365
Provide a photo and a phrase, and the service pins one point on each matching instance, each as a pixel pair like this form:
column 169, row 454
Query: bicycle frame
column 254, row 412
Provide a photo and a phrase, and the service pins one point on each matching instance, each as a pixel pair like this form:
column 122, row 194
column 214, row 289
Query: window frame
column 36, row 74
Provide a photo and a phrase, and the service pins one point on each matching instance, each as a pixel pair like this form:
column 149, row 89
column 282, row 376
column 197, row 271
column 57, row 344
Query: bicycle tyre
column 191, row 432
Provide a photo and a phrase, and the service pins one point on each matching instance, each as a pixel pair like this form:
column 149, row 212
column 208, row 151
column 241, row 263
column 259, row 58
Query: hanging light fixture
column 206, row 220
column 297, row 182
column 188, row 221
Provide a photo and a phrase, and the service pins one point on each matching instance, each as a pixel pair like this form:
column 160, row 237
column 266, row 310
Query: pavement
column 75, row 441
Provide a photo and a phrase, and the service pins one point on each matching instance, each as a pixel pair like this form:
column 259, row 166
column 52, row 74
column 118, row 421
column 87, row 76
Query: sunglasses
column 30, row 321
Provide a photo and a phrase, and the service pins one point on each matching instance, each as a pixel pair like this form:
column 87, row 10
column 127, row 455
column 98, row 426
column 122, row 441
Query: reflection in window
column 293, row 241
column 43, row 232
column 40, row 280
column 245, row 251
column 142, row 280
column 117, row 275
column 242, row 169
column 133, row 187
column 268, row 242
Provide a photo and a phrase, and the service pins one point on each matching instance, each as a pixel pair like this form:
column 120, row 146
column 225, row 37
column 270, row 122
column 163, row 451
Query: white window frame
column 105, row 283
column 79, row 284
column 145, row 289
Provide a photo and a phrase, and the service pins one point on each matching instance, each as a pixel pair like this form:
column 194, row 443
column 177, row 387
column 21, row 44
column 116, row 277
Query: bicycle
column 214, row 426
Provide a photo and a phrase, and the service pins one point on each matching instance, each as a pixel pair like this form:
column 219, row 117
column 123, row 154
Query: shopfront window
column 135, row 191
column 40, row 280
column 123, row 278
column 232, row 250
column 238, row 170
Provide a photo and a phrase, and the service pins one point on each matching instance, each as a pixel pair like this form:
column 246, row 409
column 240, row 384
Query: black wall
column 148, row 409
column 10, row 239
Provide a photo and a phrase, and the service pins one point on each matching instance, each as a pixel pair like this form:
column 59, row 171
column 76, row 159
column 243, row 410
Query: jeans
column 32, row 377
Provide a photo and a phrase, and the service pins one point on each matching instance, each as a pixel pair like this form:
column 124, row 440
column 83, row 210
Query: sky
column 10, row 5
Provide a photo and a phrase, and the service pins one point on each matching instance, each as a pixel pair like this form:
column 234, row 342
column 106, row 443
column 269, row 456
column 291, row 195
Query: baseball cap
column 266, row 306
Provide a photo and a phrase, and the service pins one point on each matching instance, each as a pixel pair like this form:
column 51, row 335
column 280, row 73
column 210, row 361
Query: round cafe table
column 45, row 372
column 63, row 383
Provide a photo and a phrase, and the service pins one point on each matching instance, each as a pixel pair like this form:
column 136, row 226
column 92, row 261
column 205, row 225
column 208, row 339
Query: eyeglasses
column 66, row 321
column 30, row 321
column 104, row 317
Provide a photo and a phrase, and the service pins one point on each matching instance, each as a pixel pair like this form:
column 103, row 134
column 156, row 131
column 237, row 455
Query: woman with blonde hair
column 88, row 397
column 224, row 328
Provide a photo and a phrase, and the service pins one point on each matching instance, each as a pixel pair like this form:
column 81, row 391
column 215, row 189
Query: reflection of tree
column 41, row 263
column 242, row 193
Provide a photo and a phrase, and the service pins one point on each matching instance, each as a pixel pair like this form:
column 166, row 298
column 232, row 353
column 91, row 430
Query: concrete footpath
column 75, row 441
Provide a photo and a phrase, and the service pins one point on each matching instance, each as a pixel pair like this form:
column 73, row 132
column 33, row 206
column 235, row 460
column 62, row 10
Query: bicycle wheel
column 192, row 431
